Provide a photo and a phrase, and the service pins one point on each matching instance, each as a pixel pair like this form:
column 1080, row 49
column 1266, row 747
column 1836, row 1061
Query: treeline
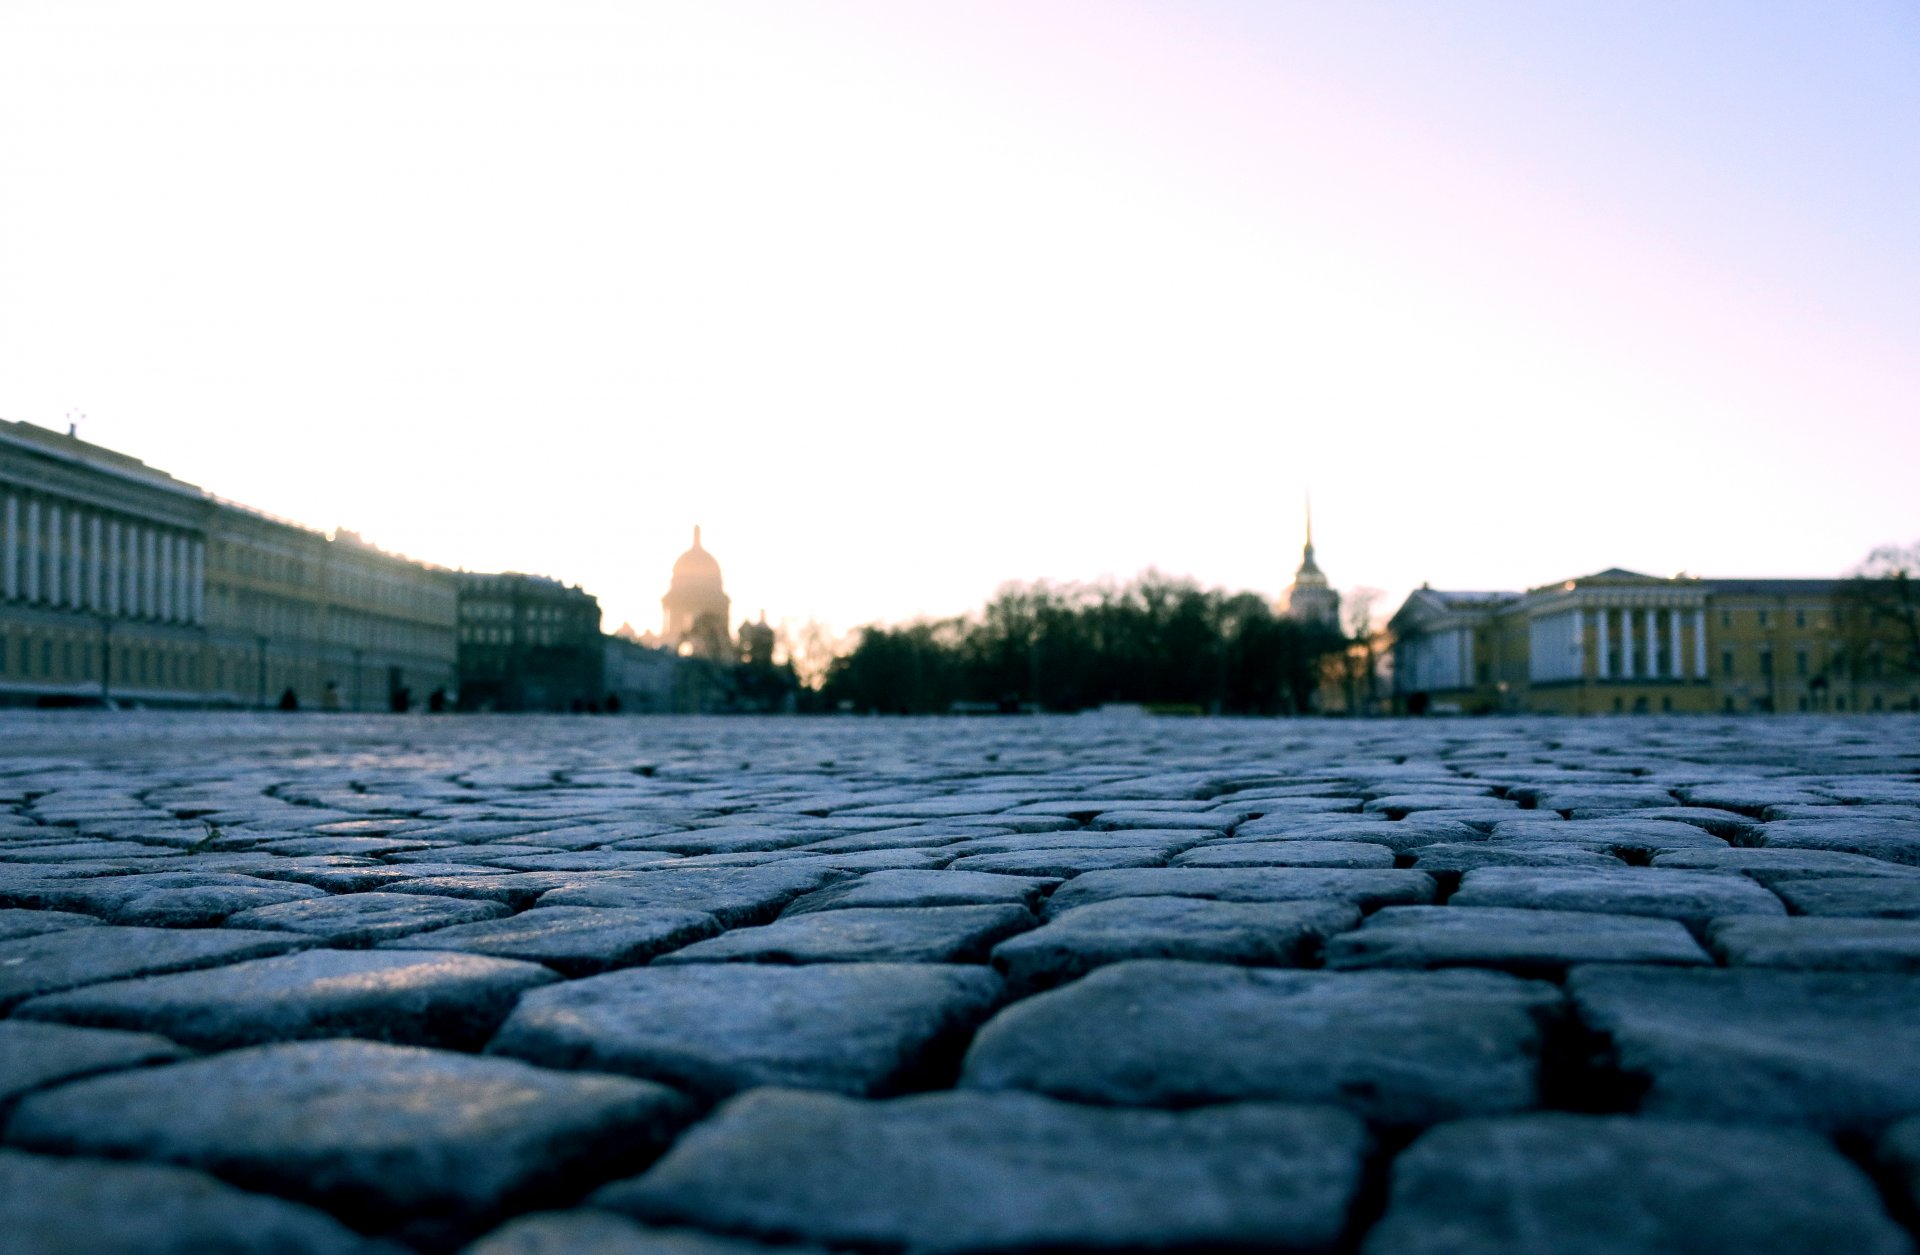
column 1156, row 641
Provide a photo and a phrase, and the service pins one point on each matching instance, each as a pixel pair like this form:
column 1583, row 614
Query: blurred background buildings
column 120, row 584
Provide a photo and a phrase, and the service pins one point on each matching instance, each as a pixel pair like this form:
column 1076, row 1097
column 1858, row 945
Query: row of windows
column 507, row 636
column 64, row 657
column 1764, row 618
column 1802, row 662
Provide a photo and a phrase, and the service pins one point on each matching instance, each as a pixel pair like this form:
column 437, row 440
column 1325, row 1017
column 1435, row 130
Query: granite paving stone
column 747, row 895
column 928, row 888
column 1525, row 942
column 1394, row 1047
column 1060, row 862
column 1769, row 866
column 1609, row 1185
column 36, row 1055
column 1836, row 1051
column 385, row 1137
column 362, row 919
column 925, row 934
column 53, row 1206
column 1259, row 934
column 83, row 956
column 572, row 940
column 1819, row 943
column 959, row 1172
column 1896, row 840
column 1365, row 888
column 1691, row 897
column 713, row 1028
column 1287, row 854
column 165, row 899
column 429, row 997
column 1866, row 897
column 18, row 922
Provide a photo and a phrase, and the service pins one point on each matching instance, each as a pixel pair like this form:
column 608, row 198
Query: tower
column 1310, row 599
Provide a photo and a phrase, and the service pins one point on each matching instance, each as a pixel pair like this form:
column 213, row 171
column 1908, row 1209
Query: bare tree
column 1878, row 612
column 1360, row 672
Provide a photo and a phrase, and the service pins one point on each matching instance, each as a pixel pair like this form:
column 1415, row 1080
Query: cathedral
column 696, row 606
column 1310, row 598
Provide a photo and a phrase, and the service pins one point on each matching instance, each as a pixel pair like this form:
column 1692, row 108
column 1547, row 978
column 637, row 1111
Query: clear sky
column 901, row 300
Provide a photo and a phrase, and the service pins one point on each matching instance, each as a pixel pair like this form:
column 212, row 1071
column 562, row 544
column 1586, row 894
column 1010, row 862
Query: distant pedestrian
column 437, row 701
column 289, row 700
column 330, row 696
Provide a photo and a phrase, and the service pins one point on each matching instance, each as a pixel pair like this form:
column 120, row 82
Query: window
column 1666, row 705
column 1800, row 662
column 1799, row 618
column 1766, row 662
column 1726, row 618
column 1726, row 662
column 1727, row 706
column 1763, row 618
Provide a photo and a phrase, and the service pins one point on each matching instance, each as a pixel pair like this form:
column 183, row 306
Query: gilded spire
column 696, row 535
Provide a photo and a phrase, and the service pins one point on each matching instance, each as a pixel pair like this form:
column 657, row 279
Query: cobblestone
column 715, row 987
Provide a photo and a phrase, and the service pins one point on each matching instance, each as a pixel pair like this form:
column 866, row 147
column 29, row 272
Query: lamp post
column 106, row 660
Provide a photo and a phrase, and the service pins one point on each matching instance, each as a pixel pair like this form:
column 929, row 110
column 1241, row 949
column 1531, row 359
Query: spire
column 1309, row 522
column 696, row 535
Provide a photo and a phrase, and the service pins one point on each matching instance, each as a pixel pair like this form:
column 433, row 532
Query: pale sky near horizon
column 903, row 300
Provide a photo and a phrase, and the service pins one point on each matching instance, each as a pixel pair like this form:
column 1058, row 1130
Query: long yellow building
column 120, row 583
column 1619, row 642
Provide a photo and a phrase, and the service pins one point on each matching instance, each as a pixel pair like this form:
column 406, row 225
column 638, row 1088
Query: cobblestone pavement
column 520, row 986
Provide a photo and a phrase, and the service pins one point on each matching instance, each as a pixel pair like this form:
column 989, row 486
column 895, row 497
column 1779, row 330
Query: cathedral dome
column 696, row 567
column 696, row 606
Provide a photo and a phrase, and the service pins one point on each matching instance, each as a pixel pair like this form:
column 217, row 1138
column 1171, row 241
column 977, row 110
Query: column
column 1653, row 644
column 96, row 565
column 111, row 568
column 33, row 551
column 56, row 555
column 198, row 583
column 76, row 560
column 136, row 572
column 1577, row 651
column 1673, row 636
column 1700, row 643
column 182, row 601
column 10, row 550
column 149, row 572
column 1603, row 665
column 163, row 575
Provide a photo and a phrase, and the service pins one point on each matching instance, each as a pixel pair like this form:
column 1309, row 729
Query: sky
column 900, row 301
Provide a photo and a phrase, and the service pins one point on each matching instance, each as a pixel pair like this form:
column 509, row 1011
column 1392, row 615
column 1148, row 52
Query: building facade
column 529, row 643
column 120, row 583
column 1622, row 642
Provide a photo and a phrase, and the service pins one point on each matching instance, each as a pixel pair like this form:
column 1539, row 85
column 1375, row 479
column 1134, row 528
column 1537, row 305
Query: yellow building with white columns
column 1619, row 642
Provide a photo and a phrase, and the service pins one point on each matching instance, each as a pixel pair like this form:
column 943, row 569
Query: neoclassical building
column 695, row 610
column 1620, row 641
column 120, row 583
column 1310, row 598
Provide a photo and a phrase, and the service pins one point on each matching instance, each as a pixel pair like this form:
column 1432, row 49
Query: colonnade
column 1639, row 652
column 66, row 555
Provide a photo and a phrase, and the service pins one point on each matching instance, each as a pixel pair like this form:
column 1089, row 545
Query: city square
column 705, row 985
